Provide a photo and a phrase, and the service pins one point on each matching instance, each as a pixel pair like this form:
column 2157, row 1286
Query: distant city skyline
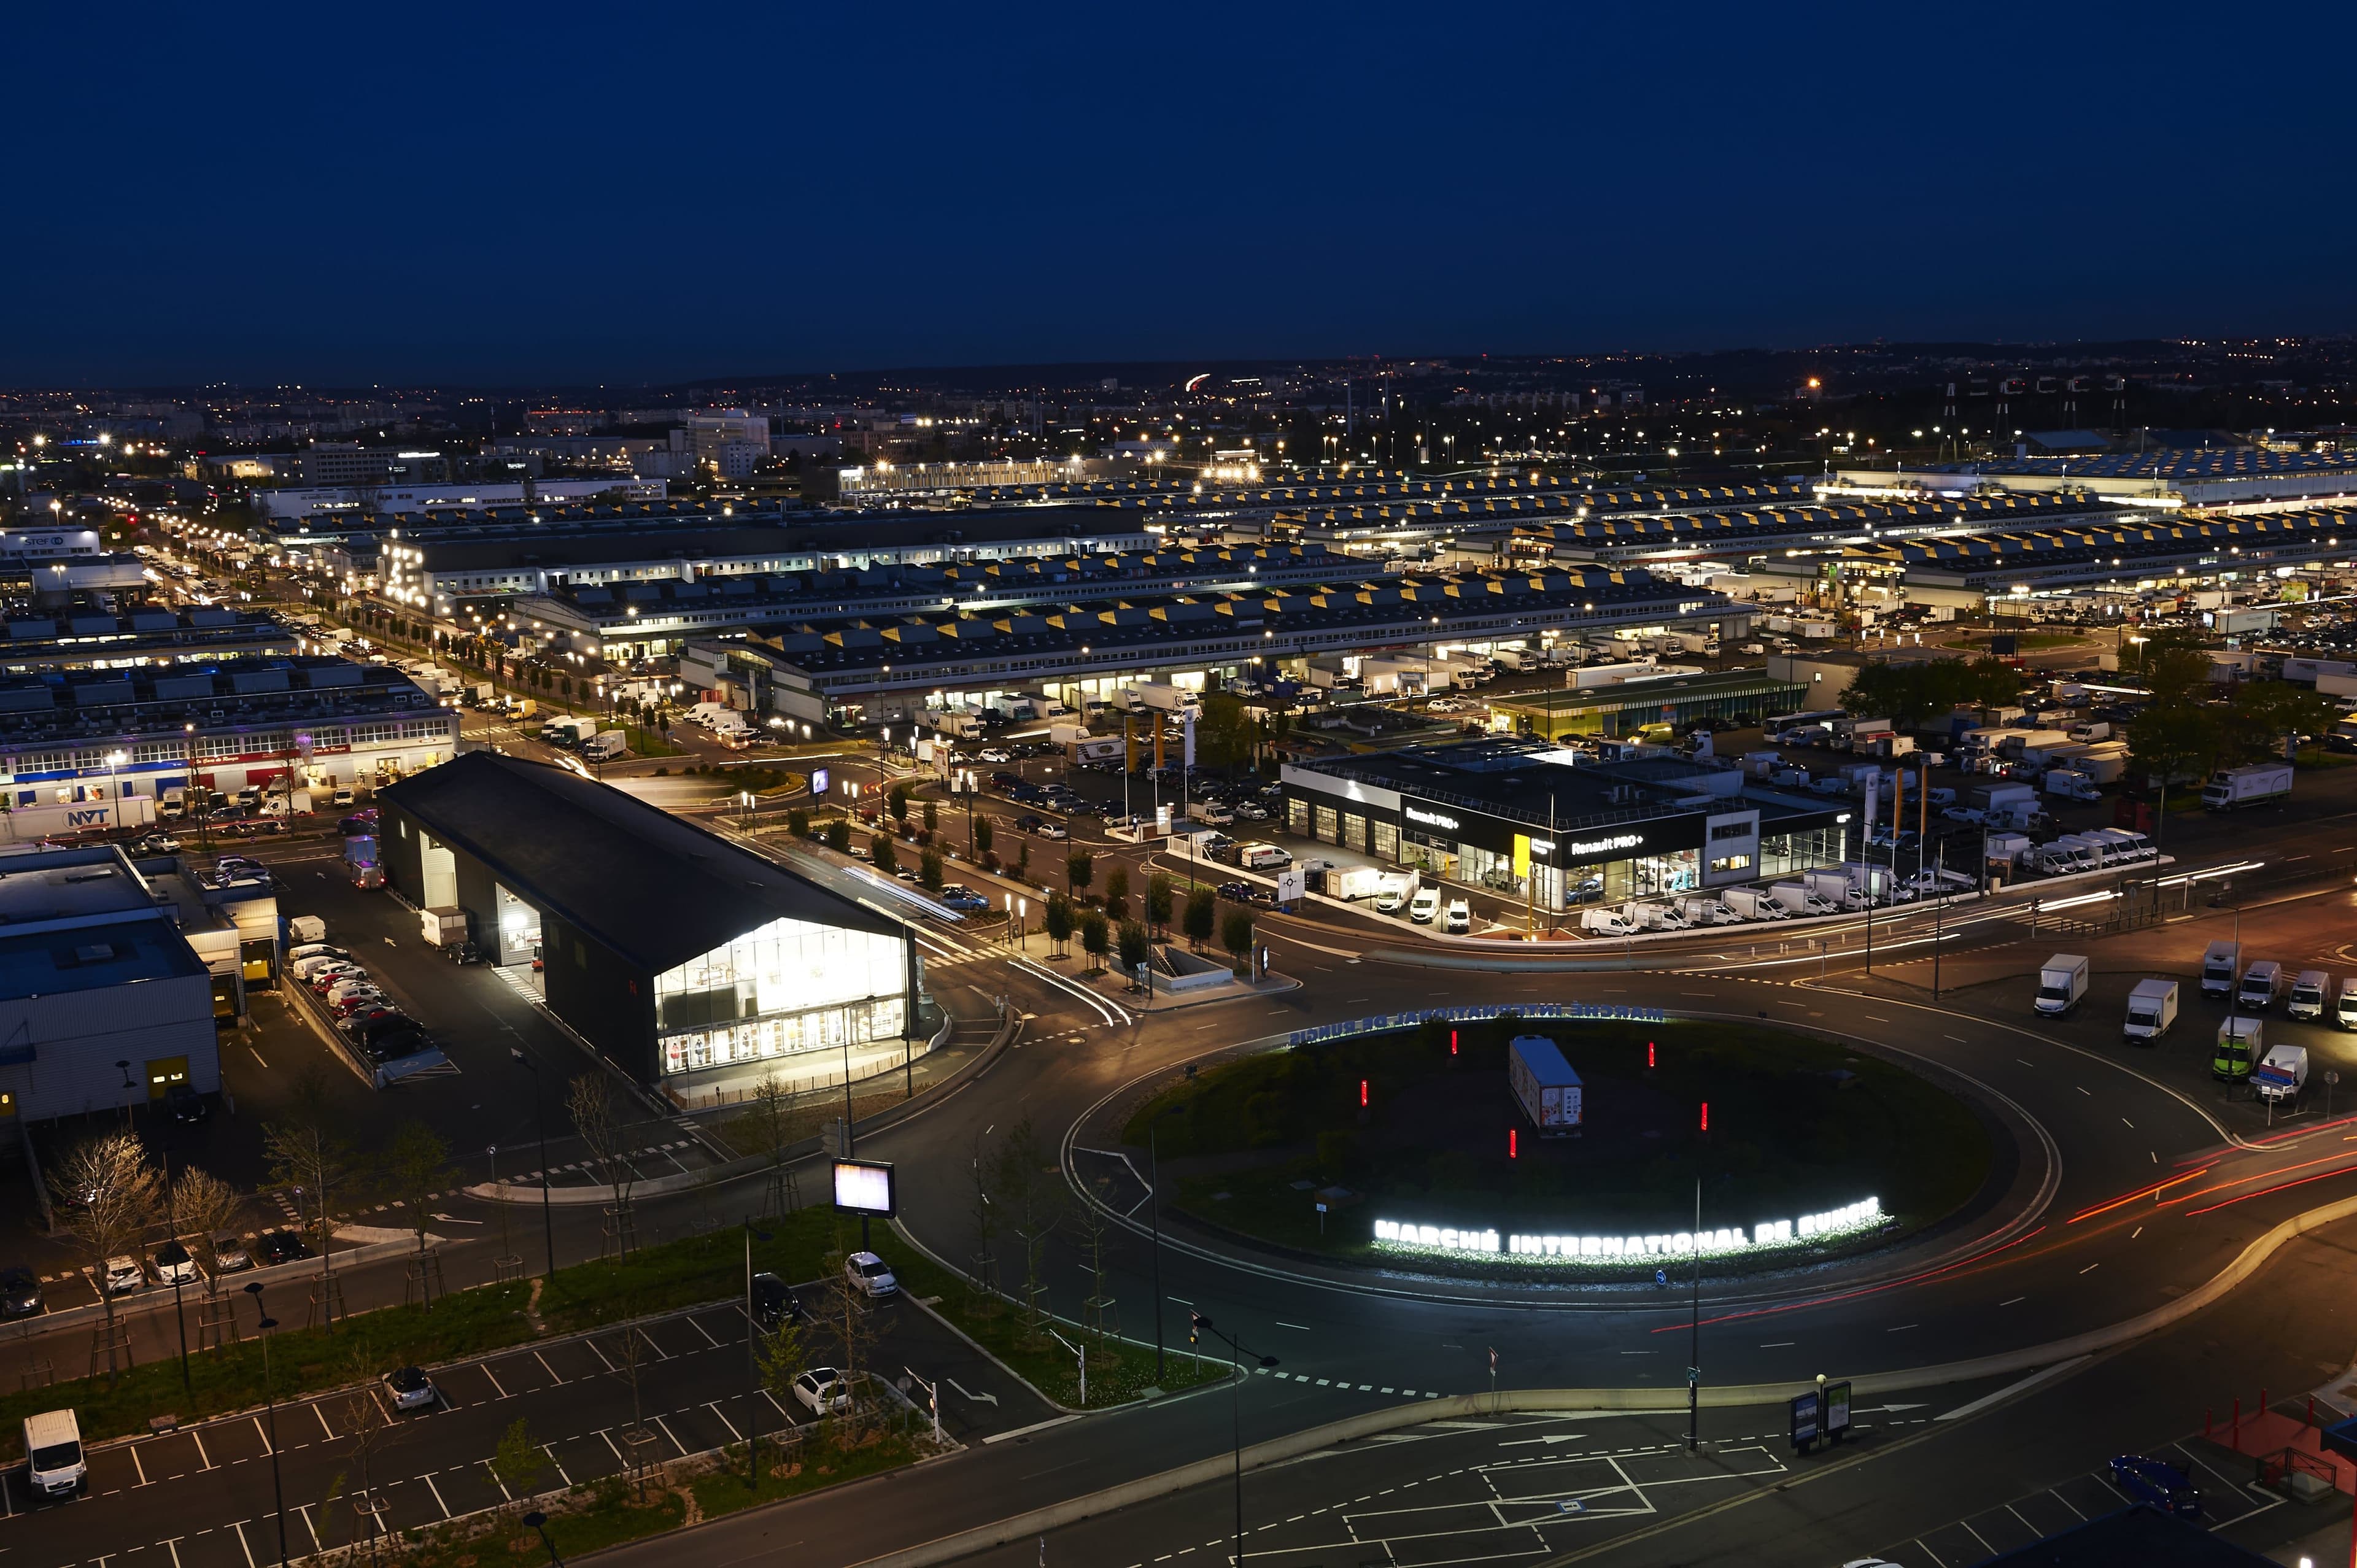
column 597, row 197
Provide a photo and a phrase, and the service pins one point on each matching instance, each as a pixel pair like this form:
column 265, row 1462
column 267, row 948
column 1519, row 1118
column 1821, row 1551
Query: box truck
column 2261, row 980
column 2306, row 998
column 2241, row 1041
column 2261, row 784
column 2062, row 985
column 2219, row 961
column 2282, row 1074
column 606, row 746
column 1755, row 904
column 1392, row 890
column 1544, row 1085
column 1354, row 882
column 445, row 927
column 2152, row 1009
column 1798, row 900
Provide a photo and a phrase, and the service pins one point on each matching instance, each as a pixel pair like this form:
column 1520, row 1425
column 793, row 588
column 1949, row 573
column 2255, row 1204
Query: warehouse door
column 162, row 1073
column 440, row 874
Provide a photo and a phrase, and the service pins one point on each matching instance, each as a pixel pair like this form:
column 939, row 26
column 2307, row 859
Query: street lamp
column 1198, row 1324
column 1153, row 1214
column 752, row 1366
column 270, row 1406
column 539, row 1128
column 124, row 1068
column 538, row 1522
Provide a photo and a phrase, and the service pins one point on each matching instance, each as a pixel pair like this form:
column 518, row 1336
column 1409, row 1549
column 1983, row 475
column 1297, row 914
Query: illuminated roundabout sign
column 1768, row 1235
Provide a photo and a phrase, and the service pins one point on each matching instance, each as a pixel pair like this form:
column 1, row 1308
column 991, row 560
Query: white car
column 1458, row 919
column 868, row 1272
column 1054, row 831
column 1424, row 905
column 124, row 1273
column 174, row 1265
column 823, row 1390
column 411, row 1388
column 996, row 754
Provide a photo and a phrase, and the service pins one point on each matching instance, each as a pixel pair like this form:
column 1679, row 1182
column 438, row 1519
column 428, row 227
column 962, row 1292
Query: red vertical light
column 1452, row 1042
column 1362, row 1092
column 1706, row 1115
column 1513, row 1143
column 1649, row 1053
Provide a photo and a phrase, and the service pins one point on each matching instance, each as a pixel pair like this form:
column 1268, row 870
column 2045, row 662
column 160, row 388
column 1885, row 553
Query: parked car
column 1236, row 892
column 964, row 900
column 185, row 1105
column 1054, row 831
column 824, row 1390
column 774, row 1303
column 280, row 1246
column 2163, row 1486
column 124, row 1273
column 1458, row 919
column 20, row 1293
column 411, row 1388
column 868, row 1272
column 174, row 1265
column 229, row 1256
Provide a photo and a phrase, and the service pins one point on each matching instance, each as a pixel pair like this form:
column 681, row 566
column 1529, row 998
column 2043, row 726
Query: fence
column 1593, row 1011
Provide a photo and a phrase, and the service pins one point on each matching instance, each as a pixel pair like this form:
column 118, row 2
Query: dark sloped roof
column 654, row 890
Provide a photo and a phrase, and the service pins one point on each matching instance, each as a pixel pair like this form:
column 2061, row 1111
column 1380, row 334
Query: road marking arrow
column 1552, row 1437
column 983, row 1398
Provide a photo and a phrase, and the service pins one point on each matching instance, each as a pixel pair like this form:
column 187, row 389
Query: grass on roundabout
column 1798, row 1125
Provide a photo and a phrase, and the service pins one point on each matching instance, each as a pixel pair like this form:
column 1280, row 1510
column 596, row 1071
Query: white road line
column 552, row 1375
column 502, row 1486
column 599, row 1354
column 171, row 1544
column 323, row 1423
column 726, row 1422
column 667, row 1432
column 625, row 1463
column 258, row 1432
column 2012, row 1389
column 198, row 1438
column 705, row 1332
column 239, row 1526
column 305, row 1510
column 143, row 1469
column 1302, row 1327
column 437, row 1496
column 550, row 1450
column 494, row 1381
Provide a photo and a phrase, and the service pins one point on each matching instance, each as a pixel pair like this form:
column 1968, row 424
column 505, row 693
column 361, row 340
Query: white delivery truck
column 2219, row 961
column 1798, row 900
column 2062, row 985
column 2282, row 1075
column 53, row 1455
column 1606, row 923
column 1392, row 890
column 1353, row 882
column 2261, row 784
column 2241, row 1041
column 2344, row 1006
column 1708, row 912
column 606, row 746
column 1544, row 1085
column 2152, row 1009
column 2306, row 998
column 2261, row 980
column 1755, row 904
column 305, row 928
column 442, row 928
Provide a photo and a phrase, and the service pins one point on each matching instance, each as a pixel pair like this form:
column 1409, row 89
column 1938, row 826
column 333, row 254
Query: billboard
column 864, row 1186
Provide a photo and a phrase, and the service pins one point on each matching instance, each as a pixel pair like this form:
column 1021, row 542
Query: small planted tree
column 1135, row 947
column 1096, row 936
column 880, row 849
column 1202, row 911
column 107, row 1194
column 932, row 814
column 1080, row 870
column 928, row 870
column 798, row 822
column 1236, row 936
column 1116, row 900
column 899, row 801
column 1160, row 900
column 1058, row 921
column 838, row 835
column 982, row 836
column 412, row 1166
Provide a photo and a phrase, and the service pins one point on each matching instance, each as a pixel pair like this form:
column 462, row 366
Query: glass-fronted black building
column 1529, row 820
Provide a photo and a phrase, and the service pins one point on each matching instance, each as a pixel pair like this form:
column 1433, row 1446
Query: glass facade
column 789, row 986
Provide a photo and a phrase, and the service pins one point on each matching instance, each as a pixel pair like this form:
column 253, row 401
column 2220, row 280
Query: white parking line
column 552, row 1375
column 239, row 1526
column 726, row 1422
column 437, row 1496
column 705, row 1332
column 198, row 1438
column 494, row 1381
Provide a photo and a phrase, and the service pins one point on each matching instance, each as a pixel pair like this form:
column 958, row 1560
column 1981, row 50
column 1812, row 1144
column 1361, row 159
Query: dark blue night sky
column 347, row 194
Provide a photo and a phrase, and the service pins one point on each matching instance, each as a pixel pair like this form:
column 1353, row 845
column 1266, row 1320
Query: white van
column 1424, row 905
column 2260, row 983
column 2306, row 998
column 1264, row 857
column 53, row 1453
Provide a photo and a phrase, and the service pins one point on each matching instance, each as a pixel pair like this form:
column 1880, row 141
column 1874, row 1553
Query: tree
column 304, row 1154
column 1226, row 735
column 1159, row 900
column 1202, row 911
column 838, row 835
column 982, row 836
column 771, row 1125
column 2265, row 715
column 598, row 1117
column 779, row 1357
column 880, row 850
column 518, row 1461
column 412, row 1165
column 1116, row 898
column 932, row 814
column 928, row 870
column 1236, row 935
column 1028, row 1199
column 1080, row 870
column 105, row 1195
column 1135, row 946
column 1023, row 860
column 1096, row 935
column 210, row 1207
column 798, row 822
column 2173, row 663
column 899, row 801
column 844, row 1307
column 1058, row 921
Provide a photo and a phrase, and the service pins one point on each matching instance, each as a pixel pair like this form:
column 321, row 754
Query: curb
column 1260, row 1455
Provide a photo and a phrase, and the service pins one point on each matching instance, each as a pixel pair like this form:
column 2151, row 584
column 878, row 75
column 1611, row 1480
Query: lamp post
column 1154, row 1213
column 539, row 1128
column 752, row 1366
column 537, row 1522
column 270, row 1406
column 124, row 1068
column 1198, row 1324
